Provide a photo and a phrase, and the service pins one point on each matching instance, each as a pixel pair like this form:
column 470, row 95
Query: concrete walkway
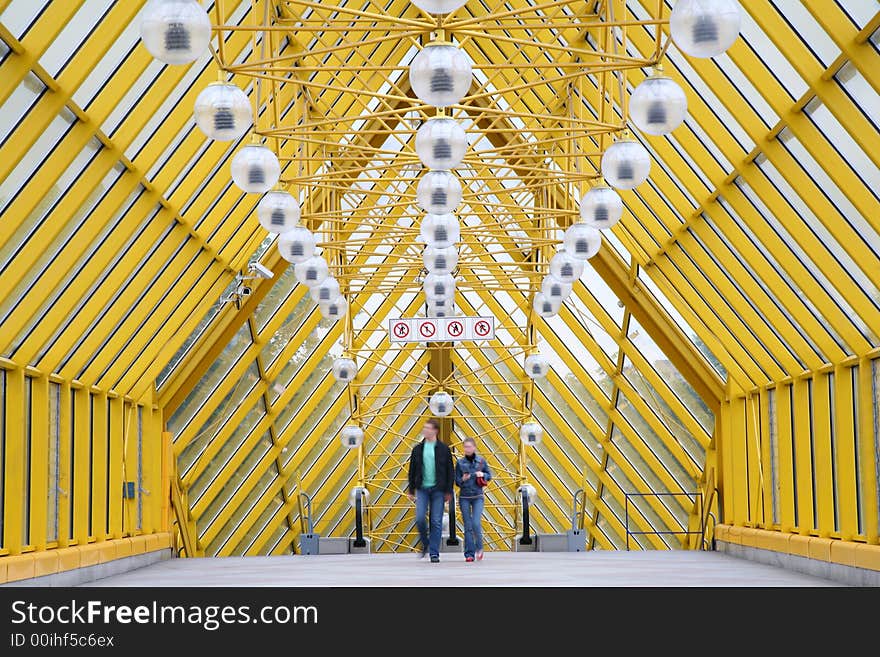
column 649, row 568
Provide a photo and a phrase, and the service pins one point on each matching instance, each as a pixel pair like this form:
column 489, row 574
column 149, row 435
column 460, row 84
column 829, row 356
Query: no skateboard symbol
column 401, row 330
column 427, row 329
column 482, row 328
column 455, row 329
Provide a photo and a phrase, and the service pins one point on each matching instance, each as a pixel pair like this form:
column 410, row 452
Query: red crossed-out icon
column 482, row 328
column 401, row 329
column 427, row 329
column 455, row 329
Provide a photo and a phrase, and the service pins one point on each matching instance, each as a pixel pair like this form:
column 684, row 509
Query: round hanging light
column 441, row 403
column 311, row 272
column 440, row 74
column 530, row 491
column 601, row 207
column 440, row 261
column 297, row 244
column 544, row 306
column 175, row 31
column 658, row 105
column 439, row 286
column 344, row 369
column 626, row 164
column 335, row 309
column 441, row 143
column 536, row 366
column 582, row 241
column 566, row 268
column 705, row 28
column 440, row 230
column 255, row 169
column 554, row 290
column 438, row 192
column 325, row 291
column 355, row 493
column 351, row 437
column 439, row 310
column 531, row 433
column 438, row 6
column 278, row 212
column 223, row 111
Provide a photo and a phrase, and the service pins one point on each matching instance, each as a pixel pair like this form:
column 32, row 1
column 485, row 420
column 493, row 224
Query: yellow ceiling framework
column 724, row 341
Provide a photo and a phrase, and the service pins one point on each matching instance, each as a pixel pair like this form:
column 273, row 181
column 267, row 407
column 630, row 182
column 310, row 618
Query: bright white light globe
column 438, row 6
column 441, row 143
column 325, row 291
column 536, row 366
column 438, row 192
column 440, row 261
column 255, row 169
column 565, row 267
column 440, row 230
column 544, row 306
column 705, row 28
column 626, row 164
column 441, row 403
column 601, row 207
column 223, row 111
column 311, row 272
column 530, row 491
column 582, row 241
column 531, row 433
column 359, row 491
column 278, row 212
column 175, row 31
column 335, row 309
column 344, row 369
column 440, row 74
column 555, row 290
column 351, row 437
column 439, row 286
column 658, row 105
column 296, row 245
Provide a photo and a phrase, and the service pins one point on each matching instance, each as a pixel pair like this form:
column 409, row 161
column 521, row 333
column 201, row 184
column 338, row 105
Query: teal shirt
column 429, row 464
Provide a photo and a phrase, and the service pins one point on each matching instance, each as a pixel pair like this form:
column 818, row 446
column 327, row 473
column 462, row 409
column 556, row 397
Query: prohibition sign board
column 400, row 330
column 427, row 329
column 440, row 329
column 482, row 328
column 455, row 328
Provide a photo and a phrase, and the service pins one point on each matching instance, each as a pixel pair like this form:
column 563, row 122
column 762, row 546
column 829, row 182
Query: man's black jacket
column 445, row 475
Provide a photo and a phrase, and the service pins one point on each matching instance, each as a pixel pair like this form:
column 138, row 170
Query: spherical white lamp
column 530, row 491
column 582, row 241
column 296, row 245
column 626, row 164
column 255, row 169
column 278, row 212
column 536, row 366
column 438, row 6
column 351, row 437
column 544, row 306
column 441, row 403
column 223, row 111
column 705, row 28
column 554, row 290
column 359, row 491
column 601, row 207
column 440, row 74
column 325, row 291
column 531, row 433
column 439, row 286
column 344, row 369
column 441, row 143
column 440, row 230
column 440, row 261
column 311, row 272
column 565, row 267
column 334, row 310
column 658, row 105
column 175, row 31
column 438, row 192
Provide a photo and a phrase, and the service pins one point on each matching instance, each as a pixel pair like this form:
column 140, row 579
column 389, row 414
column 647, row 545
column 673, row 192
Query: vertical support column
column 14, row 479
column 868, row 465
column 39, row 459
column 65, row 443
column 115, row 467
column 100, row 457
column 82, row 427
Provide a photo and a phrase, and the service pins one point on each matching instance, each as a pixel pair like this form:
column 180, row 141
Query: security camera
column 260, row 270
column 243, row 291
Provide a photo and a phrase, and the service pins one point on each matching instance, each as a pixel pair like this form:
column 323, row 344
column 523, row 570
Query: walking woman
column 471, row 475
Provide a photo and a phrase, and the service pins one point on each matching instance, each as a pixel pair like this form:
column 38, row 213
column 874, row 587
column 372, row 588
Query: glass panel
column 774, row 453
column 861, row 12
column 3, row 402
column 776, row 63
column 75, row 32
column 54, row 452
column 140, row 467
column 109, row 65
column 20, row 103
column 19, row 15
column 259, row 524
column 26, row 461
column 274, row 298
column 863, row 95
column 287, row 332
column 808, row 29
column 875, row 365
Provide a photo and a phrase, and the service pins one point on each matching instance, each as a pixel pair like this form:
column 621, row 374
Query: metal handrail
column 577, row 516
column 684, row 532
column 308, row 514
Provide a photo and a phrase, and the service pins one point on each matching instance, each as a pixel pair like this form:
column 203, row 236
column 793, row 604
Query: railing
column 695, row 497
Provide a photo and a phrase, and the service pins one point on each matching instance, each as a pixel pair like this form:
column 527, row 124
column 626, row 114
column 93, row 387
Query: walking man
column 430, row 485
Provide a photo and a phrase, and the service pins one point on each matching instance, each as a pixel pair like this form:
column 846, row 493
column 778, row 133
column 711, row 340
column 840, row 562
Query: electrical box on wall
column 128, row 490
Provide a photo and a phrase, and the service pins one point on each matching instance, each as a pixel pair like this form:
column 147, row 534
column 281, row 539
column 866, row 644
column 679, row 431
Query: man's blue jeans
column 471, row 515
column 430, row 499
